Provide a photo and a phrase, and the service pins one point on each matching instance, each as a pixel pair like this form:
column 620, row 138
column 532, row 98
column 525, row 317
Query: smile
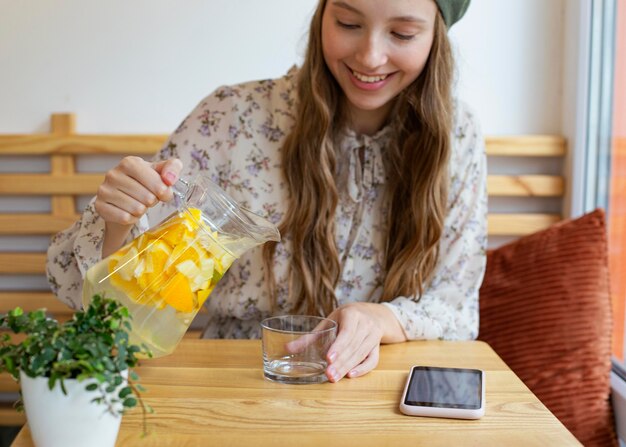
column 369, row 79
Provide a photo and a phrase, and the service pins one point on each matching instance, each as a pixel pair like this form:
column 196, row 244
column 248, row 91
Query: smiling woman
column 374, row 173
column 376, row 52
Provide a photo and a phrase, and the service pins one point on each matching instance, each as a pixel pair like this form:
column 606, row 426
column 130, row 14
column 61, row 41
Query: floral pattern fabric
column 234, row 136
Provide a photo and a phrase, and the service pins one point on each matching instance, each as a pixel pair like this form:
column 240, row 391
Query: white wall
column 140, row 65
column 136, row 65
column 510, row 61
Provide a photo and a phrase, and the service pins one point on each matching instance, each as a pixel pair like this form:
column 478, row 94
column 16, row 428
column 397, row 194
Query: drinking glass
column 295, row 347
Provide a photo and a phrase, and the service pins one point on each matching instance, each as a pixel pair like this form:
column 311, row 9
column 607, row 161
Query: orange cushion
column 545, row 309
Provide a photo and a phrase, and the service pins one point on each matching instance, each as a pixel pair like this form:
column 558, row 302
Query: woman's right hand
column 128, row 191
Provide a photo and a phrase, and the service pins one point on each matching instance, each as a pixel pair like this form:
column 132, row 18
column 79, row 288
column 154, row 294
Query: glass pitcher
column 165, row 275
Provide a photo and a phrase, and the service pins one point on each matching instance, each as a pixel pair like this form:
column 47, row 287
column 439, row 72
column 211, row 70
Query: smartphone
column 457, row 393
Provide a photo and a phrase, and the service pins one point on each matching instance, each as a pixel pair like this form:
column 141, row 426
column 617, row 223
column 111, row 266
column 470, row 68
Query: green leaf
column 92, row 387
column 129, row 402
column 16, row 312
column 125, row 392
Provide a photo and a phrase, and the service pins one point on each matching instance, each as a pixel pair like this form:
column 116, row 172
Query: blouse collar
column 361, row 178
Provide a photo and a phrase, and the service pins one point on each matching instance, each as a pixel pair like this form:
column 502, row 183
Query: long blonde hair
column 417, row 166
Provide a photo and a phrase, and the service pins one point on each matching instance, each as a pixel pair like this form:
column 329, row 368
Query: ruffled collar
column 362, row 173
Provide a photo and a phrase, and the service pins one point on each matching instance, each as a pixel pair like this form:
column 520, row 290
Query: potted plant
column 74, row 377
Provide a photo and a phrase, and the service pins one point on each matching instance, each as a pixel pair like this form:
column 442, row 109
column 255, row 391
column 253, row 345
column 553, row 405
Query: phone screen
column 445, row 387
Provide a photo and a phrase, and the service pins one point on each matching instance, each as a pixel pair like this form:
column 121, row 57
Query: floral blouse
column 234, row 137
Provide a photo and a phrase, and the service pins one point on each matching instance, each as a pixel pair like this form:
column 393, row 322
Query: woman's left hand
column 361, row 329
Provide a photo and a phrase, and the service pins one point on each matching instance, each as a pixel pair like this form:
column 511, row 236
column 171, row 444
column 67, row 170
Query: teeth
column 364, row 78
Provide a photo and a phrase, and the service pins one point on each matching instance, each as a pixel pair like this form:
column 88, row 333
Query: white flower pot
column 71, row 420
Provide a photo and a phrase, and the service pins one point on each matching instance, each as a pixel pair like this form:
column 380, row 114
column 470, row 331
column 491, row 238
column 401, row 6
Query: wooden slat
column 32, row 301
column 45, row 184
column 22, row 263
column 511, row 146
column 526, row 146
column 62, row 123
column 62, row 205
column 15, row 224
column 18, row 224
column 525, row 185
column 519, row 224
column 7, row 384
column 86, row 184
column 10, row 417
column 80, row 144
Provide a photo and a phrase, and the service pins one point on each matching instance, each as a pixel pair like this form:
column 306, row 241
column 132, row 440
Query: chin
column 368, row 106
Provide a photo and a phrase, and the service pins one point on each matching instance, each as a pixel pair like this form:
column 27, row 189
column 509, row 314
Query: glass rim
column 333, row 324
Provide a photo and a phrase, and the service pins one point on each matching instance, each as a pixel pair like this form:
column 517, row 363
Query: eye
column 347, row 25
column 403, row 36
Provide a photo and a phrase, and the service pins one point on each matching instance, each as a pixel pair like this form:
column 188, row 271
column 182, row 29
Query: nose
column 372, row 52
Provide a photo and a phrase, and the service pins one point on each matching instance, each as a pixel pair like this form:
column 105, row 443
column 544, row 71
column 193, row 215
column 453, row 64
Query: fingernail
column 170, row 177
column 332, row 372
column 353, row 373
column 332, row 356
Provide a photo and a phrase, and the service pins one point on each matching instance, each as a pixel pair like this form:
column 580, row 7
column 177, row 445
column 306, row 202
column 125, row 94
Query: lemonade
column 163, row 277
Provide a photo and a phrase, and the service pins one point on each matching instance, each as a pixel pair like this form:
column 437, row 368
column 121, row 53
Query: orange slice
column 178, row 294
column 131, row 289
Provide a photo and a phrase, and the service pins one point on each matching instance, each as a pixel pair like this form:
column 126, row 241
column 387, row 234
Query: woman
column 374, row 174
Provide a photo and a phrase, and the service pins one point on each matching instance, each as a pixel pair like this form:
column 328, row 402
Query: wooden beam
column 63, row 140
column 30, row 301
column 87, row 184
column 22, row 263
column 62, row 124
column 17, row 224
column 525, row 185
column 81, row 144
column 519, row 224
column 40, row 144
column 64, row 204
column 9, row 416
column 46, row 184
column 526, row 146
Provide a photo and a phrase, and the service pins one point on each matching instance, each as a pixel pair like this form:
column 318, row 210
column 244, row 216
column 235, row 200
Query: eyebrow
column 407, row 18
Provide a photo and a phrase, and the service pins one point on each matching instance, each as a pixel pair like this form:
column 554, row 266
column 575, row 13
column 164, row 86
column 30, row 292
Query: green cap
column 452, row 10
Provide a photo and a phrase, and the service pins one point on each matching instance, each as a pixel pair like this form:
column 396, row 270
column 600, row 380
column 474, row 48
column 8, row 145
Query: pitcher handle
column 180, row 190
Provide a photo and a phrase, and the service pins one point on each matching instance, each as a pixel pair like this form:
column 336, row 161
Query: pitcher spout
column 238, row 228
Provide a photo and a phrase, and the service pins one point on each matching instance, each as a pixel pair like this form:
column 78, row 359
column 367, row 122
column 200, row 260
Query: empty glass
column 295, row 348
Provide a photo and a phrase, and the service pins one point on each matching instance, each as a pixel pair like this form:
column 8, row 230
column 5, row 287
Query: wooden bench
column 63, row 184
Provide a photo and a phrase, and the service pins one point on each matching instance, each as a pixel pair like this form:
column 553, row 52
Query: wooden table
column 212, row 393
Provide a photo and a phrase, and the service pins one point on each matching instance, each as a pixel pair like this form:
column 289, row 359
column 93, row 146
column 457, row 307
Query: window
column 616, row 185
column 603, row 167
